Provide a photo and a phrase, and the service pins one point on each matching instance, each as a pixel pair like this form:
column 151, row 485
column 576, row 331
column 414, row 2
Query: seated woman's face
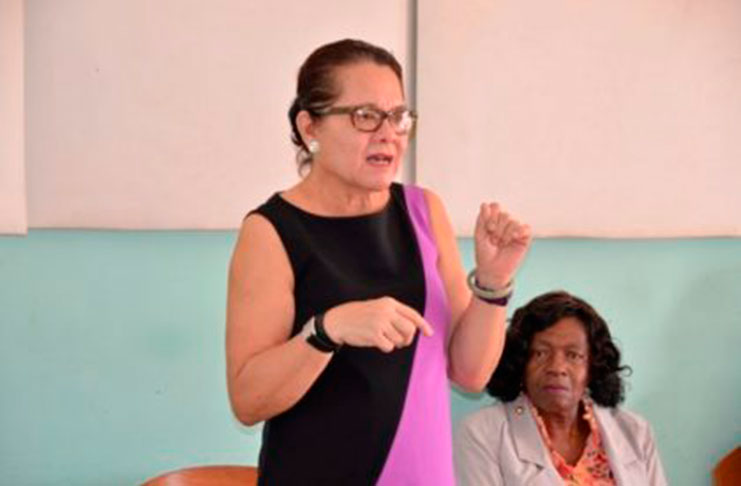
column 557, row 369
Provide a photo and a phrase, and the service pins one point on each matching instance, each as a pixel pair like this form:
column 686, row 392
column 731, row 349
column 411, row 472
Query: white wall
column 12, row 187
column 598, row 119
column 616, row 119
column 173, row 114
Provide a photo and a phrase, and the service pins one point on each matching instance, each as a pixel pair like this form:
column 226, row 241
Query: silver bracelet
column 493, row 296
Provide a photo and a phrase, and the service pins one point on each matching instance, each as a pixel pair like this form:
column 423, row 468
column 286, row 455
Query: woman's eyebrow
column 551, row 344
column 402, row 106
column 547, row 344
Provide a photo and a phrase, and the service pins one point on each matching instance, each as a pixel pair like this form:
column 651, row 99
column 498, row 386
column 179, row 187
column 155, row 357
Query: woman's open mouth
column 380, row 159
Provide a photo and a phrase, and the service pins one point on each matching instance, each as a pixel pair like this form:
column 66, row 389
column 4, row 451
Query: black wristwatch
column 318, row 337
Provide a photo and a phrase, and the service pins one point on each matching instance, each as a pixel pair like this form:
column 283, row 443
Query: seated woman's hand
column 383, row 323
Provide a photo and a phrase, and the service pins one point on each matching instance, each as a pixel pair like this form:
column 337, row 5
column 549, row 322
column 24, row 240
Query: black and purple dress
column 370, row 417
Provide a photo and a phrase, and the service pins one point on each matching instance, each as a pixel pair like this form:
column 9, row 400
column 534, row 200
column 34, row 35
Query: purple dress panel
column 421, row 453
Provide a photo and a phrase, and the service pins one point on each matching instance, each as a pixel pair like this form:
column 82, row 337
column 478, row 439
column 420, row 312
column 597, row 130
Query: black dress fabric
column 341, row 430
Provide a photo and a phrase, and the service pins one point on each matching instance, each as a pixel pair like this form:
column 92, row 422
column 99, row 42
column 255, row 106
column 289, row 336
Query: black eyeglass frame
column 351, row 110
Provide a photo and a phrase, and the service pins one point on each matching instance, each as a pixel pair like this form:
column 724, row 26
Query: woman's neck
column 568, row 432
column 561, row 422
column 330, row 197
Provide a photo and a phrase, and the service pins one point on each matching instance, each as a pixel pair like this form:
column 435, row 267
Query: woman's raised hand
column 501, row 244
column 383, row 323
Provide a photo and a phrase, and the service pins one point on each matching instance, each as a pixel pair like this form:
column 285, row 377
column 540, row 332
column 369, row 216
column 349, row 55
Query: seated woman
column 558, row 421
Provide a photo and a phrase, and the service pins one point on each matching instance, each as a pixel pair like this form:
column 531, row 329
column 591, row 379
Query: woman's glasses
column 368, row 118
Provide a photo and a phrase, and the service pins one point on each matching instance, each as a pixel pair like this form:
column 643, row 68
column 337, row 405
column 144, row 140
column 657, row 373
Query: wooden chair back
column 207, row 476
column 728, row 470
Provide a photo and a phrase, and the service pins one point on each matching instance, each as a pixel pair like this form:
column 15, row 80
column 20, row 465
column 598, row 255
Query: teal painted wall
column 112, row 361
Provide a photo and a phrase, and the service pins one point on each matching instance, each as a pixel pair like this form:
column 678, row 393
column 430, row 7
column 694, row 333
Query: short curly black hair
column 605, row 381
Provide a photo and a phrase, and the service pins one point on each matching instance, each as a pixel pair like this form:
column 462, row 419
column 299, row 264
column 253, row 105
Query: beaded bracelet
column 492, row 296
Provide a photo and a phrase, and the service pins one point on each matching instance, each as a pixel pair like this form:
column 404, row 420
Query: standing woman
column 348, row 307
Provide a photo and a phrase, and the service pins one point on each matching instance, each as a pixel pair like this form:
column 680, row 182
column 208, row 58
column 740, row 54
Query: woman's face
column 364, row 160
column 556, row 373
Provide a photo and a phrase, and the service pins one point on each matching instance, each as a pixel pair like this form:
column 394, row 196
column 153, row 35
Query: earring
column 314, row 147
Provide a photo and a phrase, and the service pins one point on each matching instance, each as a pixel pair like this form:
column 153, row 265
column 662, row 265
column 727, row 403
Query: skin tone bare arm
column 267, row 372
column 477, row 327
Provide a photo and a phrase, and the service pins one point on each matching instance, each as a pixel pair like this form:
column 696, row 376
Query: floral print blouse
column 593, row 467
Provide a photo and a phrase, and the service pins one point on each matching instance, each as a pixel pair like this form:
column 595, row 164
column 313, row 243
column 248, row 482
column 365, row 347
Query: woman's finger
column 508, row 232
column 481, row 219
column 415, row 318
column 523, row 233
column 492, row 216
column 384, row 343
column 502, row 220
column 394, row 335
column 405, row 328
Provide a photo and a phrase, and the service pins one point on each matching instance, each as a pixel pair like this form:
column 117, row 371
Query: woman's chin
column 379, row 182
column 558, row 403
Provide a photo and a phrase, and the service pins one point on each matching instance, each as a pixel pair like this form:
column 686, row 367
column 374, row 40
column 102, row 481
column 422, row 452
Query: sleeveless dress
column 371, row 417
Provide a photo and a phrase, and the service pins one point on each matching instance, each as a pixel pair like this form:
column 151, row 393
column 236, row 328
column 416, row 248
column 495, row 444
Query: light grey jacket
column 501, row 445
